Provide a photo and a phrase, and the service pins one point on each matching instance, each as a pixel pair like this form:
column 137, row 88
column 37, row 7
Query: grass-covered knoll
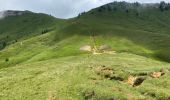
column 45, row 62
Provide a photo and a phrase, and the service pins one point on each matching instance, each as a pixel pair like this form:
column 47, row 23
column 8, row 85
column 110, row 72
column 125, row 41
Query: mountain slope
column 45, row 64
column 29, row 24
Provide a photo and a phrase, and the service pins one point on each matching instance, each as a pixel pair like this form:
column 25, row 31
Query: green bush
column 7, row 59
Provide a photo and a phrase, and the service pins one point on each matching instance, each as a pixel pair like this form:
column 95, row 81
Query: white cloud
column 59, row 8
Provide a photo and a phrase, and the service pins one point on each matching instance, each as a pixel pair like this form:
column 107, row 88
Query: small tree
column 114, row 9
column 99, row 10
column 79, row 16
column 45, row 31
column 137, row 13
column 127, row 11
column 92, row 13
column 167, row 6
column 4, row 44
column 7, row 36
column 162, row 6
column 137, row 4
column 7, row 59
column 103, row 7
column 109, row 8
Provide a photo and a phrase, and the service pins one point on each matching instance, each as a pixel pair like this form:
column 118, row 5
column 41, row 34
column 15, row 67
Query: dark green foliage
column 137, row 4
column 114, row 9
column 167, row 6
column 109, row 8
column 162, row 6
column 92, row 12
column 137, row 13
column 2, row 44
column 99, row 10
column 78, row 15
column 127, row 11
column 103, row 7
column 45, row 31
column 7, row 36
column 7, row 59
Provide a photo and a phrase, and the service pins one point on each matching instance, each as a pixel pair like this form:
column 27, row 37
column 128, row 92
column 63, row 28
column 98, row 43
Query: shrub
column 92, row 12
column 109, row 8
column 114, row 9
column 103, row 7
column 45, row 31
column 7, row 59
column 137, row 14
column 127, row 11
column 99, row 10
column 4, row 44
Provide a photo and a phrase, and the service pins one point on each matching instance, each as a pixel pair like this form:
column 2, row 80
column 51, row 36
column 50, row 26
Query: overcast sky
column 59, row 8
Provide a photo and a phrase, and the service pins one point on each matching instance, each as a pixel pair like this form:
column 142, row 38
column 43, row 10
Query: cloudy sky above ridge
column 59, row 8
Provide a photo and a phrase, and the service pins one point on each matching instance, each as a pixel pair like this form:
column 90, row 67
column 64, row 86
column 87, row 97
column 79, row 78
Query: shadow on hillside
column 156, row 42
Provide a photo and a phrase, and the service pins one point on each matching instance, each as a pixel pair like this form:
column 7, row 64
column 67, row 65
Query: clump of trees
column 137, row 4
column 109, row 8
column 81, row 14
column 102, row 8
column 99, row 10
column 44, row 31
column 163, row 6
column 105, row 8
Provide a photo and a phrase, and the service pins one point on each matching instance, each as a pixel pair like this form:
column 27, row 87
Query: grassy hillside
column 14, row 28
column 41, row 58
column 74, row 77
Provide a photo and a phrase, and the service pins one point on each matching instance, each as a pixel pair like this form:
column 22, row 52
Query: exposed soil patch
column 135, row 81
column 108, row 73
column 86, row 48
column 156, row 74
column 160, row 73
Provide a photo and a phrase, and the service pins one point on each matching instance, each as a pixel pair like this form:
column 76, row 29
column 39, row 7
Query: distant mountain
column 8, row 13
column 23, row 24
